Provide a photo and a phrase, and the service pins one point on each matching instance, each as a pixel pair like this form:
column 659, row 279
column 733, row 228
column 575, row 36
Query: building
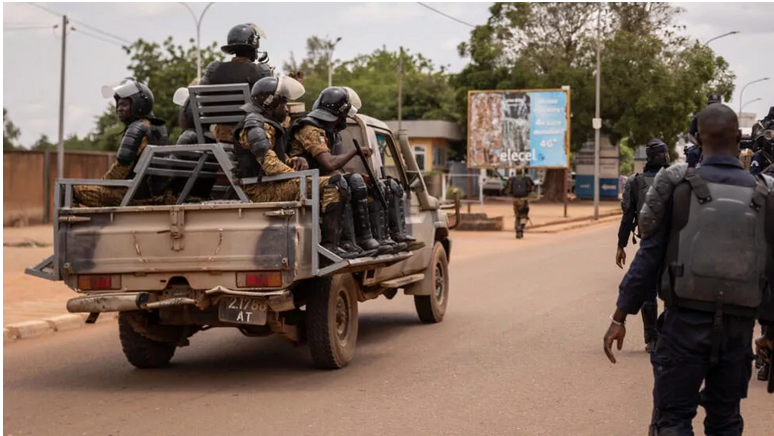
column 431, row 141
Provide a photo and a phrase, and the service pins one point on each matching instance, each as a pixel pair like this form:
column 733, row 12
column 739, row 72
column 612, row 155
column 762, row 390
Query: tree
column 43, row 143
column 653, row 77
column 427, row 93
column 11, row 133
column 164, row 68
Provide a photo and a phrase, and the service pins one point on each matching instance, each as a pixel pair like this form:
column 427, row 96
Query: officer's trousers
column 681, row 362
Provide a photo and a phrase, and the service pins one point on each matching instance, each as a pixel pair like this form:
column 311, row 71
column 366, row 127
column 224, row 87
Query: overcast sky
column 31, row 58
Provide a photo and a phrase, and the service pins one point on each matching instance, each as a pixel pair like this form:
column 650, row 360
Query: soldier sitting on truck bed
column 242, row 42
column 313, row 138
column 260, row 151
column 134, row 108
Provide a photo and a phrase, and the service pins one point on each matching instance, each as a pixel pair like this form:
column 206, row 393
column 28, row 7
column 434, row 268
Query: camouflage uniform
column 520, row 205
column 110, row 196
column 286, row 190
column 309, row 140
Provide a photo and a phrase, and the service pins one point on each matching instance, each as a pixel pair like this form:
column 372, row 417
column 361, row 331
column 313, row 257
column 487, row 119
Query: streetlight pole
column 198, row 22
column 733, row 32
column 597, row 122
column 60, row 144
column 330, row 62
column 750, row 101
column 741, row 94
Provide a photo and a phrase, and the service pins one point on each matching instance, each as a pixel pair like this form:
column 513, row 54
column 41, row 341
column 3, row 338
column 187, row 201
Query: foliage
column 11, row 133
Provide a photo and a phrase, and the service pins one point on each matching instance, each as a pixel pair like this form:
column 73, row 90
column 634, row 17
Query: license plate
column 242, row 310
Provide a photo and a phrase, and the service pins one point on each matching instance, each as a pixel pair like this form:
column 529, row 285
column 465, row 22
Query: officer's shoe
column 763, row 373
column 650, row 346
column 520, row 231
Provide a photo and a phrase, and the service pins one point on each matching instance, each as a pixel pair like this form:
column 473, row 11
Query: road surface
column 519, row 353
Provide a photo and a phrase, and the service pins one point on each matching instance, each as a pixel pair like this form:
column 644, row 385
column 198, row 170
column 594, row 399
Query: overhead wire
column 446, row 15
column 88, row 26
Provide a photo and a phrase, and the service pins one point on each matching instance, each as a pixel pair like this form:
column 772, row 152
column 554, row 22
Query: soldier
column 243, row 42
column 633, row 198
column 693, row 154
column 519, row 187
column 710, row 276
column 260, row 151
column 763, row 143
column 134, row 108
column 313, row 137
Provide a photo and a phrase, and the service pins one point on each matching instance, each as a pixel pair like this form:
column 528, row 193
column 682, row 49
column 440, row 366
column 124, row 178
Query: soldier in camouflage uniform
column 519, row 187
column 260, row 151
column 134, row 107
column 313, row 137
column 243, row 41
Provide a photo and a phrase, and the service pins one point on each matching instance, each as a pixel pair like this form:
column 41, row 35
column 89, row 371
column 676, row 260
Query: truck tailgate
column 136, row 240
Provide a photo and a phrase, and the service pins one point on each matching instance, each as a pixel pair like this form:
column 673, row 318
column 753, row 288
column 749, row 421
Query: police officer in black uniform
column 633, row 198
column 243, row 41
column 689, row 225
column 763, row 144
column 693, row 153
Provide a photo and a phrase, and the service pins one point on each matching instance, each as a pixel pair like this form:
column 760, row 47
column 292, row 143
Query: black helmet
column 713, row 98
column 266, row 91
column 334, row 103
column 140, row 95
column 243, row 36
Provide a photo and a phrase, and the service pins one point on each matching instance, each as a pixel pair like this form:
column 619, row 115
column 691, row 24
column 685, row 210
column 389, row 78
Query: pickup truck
column 171, row 271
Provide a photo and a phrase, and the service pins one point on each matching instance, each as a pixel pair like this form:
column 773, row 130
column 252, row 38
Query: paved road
column 519, row 353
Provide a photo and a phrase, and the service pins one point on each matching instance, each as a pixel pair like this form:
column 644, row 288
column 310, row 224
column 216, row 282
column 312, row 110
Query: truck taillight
column 262, row 279
column 99, row 282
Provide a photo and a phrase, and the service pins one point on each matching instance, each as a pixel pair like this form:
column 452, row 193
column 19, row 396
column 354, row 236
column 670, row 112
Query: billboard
column 519, row 128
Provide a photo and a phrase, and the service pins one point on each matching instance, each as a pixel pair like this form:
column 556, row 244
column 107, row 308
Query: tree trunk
column 553, row 187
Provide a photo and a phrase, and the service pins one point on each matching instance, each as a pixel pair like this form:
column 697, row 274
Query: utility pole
column 330, row 61
column 597, row 123
column 60, row 145
column 400, row 89
column 198, row 22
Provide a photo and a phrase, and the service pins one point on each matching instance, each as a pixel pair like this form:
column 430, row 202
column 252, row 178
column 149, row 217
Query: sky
column 31, row 57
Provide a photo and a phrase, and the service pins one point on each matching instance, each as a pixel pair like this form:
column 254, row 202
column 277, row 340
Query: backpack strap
column 760, row 194
column 698, row 186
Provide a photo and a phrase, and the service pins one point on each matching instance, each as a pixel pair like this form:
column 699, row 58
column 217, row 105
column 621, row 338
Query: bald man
column 704, row 246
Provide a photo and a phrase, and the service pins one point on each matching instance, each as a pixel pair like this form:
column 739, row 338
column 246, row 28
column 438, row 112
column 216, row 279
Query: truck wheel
column 331, row 321
column 431, row 308
column 140, row 350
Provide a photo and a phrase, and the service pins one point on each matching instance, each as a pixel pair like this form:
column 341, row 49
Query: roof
column 429, row 129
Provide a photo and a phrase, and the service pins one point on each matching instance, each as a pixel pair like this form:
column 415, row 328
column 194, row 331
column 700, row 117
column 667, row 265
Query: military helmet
column 713, row 98
column 334, row 103
column 140, row 95
column 243, row 36
column 267, row 91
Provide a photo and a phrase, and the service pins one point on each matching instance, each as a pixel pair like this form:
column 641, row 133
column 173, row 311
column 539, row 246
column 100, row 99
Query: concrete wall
column 25, row 177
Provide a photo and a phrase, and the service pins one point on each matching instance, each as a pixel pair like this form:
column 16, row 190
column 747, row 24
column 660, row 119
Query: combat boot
column 331, row 231
column 348, row 242
column 520, row 231
column 763, row 372
column 379, row 230
column 362, row 226
column 397, row 225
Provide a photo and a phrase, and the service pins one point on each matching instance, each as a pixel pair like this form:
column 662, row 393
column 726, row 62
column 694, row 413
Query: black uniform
column 695, row 345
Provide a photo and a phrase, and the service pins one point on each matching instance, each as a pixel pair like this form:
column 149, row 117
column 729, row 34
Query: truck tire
column 141, row 351
column 331, row 321
column 431, row 308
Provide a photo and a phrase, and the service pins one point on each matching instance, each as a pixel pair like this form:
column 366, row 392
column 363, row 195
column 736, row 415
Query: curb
column 47, row 326
column 578, row 225
column 579, row 219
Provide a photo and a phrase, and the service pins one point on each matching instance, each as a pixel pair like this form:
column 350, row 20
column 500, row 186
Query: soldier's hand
column 367, row 152
column 614, row 333
column 300, row 164
column 620, row 257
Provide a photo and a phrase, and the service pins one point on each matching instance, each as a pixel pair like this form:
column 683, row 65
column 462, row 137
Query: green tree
column 164, row 68
column 43, row 143
column 11, row 133
column 653, row 78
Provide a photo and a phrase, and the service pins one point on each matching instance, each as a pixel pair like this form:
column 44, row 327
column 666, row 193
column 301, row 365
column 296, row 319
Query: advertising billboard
column 519, row 128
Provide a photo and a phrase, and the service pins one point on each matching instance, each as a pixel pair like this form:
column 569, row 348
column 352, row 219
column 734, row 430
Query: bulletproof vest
column 236, row 72
column 295, row 128
column 247, row 164
column 519, row 188
column 716, row 254
column 642, row 184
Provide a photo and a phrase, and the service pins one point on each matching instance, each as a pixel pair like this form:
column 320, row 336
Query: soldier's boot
column 397, row 225
column 348, row 242
column 519, row 228
column 331, row 231
column 378, row 224
column 763, row 372
column 363, row 234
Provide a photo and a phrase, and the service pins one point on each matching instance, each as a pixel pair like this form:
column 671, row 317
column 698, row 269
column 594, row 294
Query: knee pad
column 357, row 186
column 338, row 182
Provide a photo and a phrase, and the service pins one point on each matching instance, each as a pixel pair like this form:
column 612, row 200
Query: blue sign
column 584, row 187
column 548, row 128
